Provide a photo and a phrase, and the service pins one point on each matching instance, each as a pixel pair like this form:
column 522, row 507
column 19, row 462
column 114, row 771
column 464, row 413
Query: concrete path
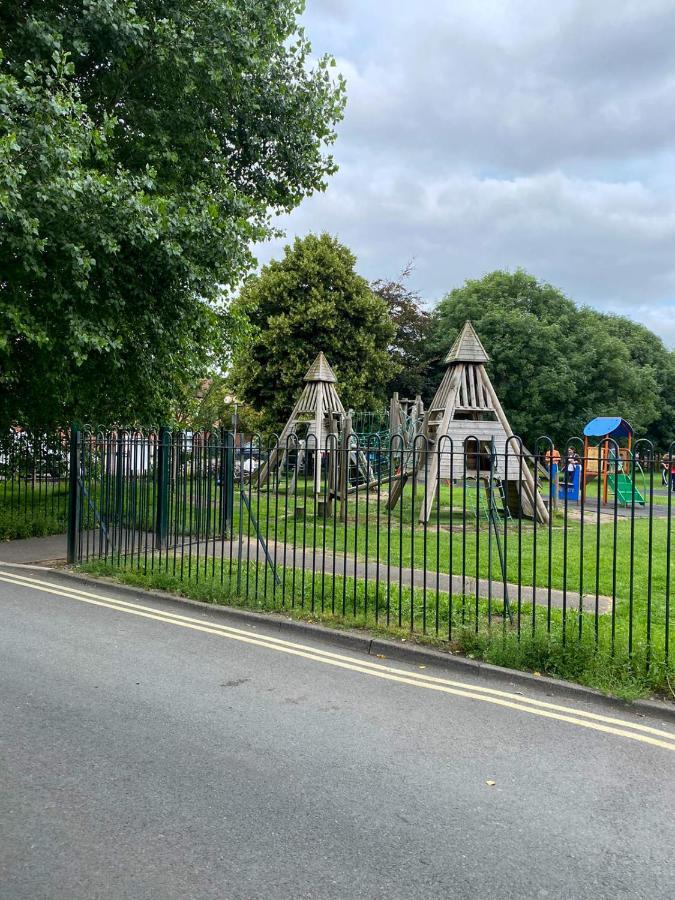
column 52, row 550
column 345, row 565
column 34, row 550
column 146, row 758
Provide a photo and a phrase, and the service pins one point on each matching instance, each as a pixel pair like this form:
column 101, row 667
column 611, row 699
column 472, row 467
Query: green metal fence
column 450, row 542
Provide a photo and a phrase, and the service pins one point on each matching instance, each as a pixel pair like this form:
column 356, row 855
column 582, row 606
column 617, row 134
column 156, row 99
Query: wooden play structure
column 317, row 429
column 608, row 442
column 467, row 411
column 405, row 417
column 318, row 413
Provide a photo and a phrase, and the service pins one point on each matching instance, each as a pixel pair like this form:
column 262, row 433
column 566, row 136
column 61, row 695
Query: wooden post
column 318, row 435
column 393, row 413
column 332, row 447
column 418, row 412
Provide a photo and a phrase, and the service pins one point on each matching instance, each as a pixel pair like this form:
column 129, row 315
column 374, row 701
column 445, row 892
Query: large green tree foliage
column 312, row 300
column 554, row 365
column 143, row 146
column 409, row 346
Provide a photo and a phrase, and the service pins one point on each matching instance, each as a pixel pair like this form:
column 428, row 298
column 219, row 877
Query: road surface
column 149, row 750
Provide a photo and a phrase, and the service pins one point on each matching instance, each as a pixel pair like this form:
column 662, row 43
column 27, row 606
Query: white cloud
column 485, row 135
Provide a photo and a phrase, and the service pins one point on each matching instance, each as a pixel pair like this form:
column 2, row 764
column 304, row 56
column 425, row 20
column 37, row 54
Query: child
column 572, row 458
column 668, row 463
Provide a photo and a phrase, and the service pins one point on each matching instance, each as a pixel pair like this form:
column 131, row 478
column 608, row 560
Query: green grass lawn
column 32, row 508
column 615, row 559
column 626, row 560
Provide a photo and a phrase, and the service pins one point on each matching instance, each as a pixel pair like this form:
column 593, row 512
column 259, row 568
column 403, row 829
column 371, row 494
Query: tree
column 312, row 300
column 143, row 147
column 214, row 406
column 554, row 365
column 409, row 347
column 647, row 352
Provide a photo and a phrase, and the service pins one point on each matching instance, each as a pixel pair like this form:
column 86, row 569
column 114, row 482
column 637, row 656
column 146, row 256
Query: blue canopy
column 608, row 426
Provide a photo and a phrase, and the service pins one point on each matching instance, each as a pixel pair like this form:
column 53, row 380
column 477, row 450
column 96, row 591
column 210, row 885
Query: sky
column 497, row 134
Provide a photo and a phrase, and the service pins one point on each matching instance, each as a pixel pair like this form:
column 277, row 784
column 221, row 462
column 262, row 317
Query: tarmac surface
column 156, row 751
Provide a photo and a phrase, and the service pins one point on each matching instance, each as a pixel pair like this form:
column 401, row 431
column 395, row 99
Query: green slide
column 622, row 485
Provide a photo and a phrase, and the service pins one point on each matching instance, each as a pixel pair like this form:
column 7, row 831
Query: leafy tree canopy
column 312, row 300
column 143, row 146
column 409, row 347
column 554, row 365
column 211, row 404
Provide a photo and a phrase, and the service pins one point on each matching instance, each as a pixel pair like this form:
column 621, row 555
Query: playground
column 433, row 519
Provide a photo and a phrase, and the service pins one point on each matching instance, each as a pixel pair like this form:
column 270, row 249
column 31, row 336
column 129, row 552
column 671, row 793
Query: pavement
column 52, row 550
column 41, row 550
column 153, row 750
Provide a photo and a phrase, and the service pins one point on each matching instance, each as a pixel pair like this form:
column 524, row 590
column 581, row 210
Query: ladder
column 488, row 508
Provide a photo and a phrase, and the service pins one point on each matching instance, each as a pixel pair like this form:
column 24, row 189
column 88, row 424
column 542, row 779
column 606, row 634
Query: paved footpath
column 153, row 750
column 53, row 549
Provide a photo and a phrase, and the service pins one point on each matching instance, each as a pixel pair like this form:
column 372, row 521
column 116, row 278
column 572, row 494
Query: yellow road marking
column 582, row 718
column 75, row 593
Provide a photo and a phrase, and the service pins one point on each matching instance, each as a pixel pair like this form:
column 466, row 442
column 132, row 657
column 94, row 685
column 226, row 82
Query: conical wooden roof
column 320, row 371
column 467, row 347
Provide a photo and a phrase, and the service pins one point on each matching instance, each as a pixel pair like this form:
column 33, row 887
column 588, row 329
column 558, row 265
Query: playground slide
column 625, row 490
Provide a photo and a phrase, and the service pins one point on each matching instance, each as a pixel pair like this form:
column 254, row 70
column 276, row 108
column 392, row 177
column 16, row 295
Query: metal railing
column 33, row 483
column 447, row 540
column 440, row 540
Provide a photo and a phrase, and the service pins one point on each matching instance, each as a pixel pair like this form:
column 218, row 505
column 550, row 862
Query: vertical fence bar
column 163, row 485
column 74, row 494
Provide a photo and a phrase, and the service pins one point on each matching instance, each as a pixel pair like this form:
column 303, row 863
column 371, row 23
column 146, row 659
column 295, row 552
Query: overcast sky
column 484, row 134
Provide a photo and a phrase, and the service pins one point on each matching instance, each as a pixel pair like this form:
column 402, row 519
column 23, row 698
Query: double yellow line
column 509, row 700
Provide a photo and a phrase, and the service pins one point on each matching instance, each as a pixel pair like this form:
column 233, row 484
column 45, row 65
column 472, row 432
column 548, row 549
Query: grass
column 30, row 509
column 571, row 648
column 626, row 561
column 566, row 555
column 455, row 541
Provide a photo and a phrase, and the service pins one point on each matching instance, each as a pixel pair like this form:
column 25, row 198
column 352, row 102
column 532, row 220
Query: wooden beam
column 432, row 471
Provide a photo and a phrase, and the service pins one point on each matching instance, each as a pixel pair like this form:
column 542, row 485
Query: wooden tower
column 467, row 411
column 317, row 413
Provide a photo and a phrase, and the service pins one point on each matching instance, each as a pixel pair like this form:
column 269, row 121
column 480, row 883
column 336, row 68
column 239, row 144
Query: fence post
column 344, row 472
column 226, row 479
column 74, row 494
column 122, row 444
column 163, row 484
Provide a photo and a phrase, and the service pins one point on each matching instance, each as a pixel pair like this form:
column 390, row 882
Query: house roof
column 467, row 347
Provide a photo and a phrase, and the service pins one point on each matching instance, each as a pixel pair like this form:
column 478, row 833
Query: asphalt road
column 147, row 756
